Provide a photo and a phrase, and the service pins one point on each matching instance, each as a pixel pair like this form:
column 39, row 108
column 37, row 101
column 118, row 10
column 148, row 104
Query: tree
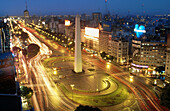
column 26, row 92
column 103, row 54
column 16, row 48
column 165, row 96
column 109, row 57
column 160, row 69
column 33, row 50
column 24, row 52
column 24, row 36
column 86, row 108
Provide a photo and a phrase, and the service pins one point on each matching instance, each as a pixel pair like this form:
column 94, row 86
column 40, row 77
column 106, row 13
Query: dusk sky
column 61, row 7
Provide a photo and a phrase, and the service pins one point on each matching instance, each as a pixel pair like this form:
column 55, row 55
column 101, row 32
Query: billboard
column 139, row 30
column 67, row 23
column 92, row 32
column 107, row 26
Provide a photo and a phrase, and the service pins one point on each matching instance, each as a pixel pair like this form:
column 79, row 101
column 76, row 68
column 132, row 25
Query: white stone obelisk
column 78, row 57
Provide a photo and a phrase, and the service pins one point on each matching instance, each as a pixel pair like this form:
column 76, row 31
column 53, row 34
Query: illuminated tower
column 78, row 58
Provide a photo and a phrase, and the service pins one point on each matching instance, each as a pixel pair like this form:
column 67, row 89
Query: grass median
column 110, row 99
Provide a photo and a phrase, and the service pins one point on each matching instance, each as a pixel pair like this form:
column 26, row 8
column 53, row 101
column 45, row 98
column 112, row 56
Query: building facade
column 147, row 56
column 97, row 16
column 91, row 39
column 105, row 42
column 120, row 50
column 167, row 68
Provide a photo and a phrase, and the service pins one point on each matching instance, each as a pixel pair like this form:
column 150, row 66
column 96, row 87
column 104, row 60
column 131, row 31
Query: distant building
column 97, row 16
column 107, row 17
column 57, row 25
column 4, row 38
column 26, row 14
column 53, row 25
column 61, row 27
column 70, row 31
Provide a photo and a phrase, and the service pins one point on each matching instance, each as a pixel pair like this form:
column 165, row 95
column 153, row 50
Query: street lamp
column 108, row 65
column 131, row 78
column 72, row 87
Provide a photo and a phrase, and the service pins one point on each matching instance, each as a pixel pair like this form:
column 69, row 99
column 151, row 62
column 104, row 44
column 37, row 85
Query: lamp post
column 72, row 87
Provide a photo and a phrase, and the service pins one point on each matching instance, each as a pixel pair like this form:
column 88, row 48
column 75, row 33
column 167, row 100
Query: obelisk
column 77, row 57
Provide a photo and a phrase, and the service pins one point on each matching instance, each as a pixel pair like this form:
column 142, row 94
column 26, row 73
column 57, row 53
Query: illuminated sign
column 5, row 20
column 67, row 23
column 139, row 66
column 107, row 26
column 92, row 32
column 43, row 23
column 139, row 30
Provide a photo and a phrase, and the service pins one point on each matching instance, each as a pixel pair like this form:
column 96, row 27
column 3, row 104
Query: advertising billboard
column 67, row 23
column 107, row 26
column 92, row 32
column 139, row 30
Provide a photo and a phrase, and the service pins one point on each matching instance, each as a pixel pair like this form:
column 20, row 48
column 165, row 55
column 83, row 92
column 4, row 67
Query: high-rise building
column 104, row 41
column 4, row 38
column 120, row 50
column 26, row 12
column 27, row 16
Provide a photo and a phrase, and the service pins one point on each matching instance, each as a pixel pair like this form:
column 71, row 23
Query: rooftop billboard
column 107, row 26
column 93, row 32
column 67, row 23
column 139, row 30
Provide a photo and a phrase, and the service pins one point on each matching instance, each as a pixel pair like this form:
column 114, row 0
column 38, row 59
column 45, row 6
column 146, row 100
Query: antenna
column 106, row 7
column 143, row 11
column 26, row 4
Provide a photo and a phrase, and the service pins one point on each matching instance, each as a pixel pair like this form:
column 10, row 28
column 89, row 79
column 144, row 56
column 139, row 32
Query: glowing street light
column 131, row 78
column 55, row 72
column 72, row 87
column 108, row 65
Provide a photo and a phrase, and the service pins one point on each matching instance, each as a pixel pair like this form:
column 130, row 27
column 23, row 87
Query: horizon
column 52, row 7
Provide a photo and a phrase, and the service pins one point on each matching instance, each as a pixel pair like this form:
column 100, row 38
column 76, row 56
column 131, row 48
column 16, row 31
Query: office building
column 147, row 55
column 120, row 50
column 105, row 40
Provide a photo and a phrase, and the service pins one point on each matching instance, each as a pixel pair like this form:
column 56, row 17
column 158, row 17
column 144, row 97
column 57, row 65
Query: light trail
column 112, row 71
column 39, row 73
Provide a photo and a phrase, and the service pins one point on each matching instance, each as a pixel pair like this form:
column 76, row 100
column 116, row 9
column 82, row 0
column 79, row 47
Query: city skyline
column 52, row 7
column 59, row 63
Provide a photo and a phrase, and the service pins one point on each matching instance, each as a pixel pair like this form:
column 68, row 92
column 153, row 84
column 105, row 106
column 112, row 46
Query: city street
column 49, row 97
